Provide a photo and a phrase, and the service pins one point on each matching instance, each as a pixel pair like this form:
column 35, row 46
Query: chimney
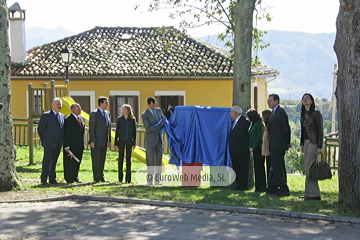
column 17, row 33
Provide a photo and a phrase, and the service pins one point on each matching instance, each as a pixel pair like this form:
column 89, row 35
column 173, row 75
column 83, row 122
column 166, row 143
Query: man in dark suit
column 279, row 142
column 153, row 141
column 74, row 129
column 51, row 131
column 239, row 148
column 100, row 136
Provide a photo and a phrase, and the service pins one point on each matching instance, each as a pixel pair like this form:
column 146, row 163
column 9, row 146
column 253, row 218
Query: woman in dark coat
column 125, row 138
column 311, row 142
column 256, row 133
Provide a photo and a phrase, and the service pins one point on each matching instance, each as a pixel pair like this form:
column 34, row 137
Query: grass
column 204, row 195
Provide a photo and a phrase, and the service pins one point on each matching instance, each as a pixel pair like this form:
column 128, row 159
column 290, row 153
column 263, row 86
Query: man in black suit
column 239, row 148
column 51, row 131
column 74, row 129
column 100, row 135
column 279, row 142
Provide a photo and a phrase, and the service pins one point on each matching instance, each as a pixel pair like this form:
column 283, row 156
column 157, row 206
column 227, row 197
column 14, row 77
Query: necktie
column 272, row 113
column 79, row 121
column 106, row 120
column 58, row 118
column 234, row 124
column 155, row 115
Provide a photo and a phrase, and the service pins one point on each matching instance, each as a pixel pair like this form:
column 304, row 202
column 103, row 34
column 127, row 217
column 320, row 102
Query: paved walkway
column 79, row 218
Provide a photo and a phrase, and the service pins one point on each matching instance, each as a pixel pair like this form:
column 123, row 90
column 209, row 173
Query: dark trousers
column 125, row 144
column 71, row 166
column 49, row 164
column 259, row 167
column 241, row 165
column 98, row 156
column 278, row 172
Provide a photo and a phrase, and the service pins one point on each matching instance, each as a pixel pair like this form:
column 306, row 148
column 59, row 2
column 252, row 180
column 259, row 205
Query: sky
column 312, row 16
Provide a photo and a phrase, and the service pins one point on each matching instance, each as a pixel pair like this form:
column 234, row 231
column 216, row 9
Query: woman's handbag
column 320, row 170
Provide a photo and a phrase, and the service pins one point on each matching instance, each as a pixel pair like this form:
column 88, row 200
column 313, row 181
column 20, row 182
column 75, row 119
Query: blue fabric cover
column 199, row 134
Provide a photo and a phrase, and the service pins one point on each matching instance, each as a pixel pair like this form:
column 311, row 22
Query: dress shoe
column 97, row 180
column 312, row 198
column 282, row 194
column 44, row 184
column 103, row 180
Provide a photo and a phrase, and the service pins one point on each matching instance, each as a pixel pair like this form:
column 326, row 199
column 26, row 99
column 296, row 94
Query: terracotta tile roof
column 130, row 51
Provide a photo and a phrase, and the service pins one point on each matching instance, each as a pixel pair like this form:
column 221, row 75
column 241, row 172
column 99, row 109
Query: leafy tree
column 8, row 175
column 346, row 47
column 237, row 18
column 294, row 157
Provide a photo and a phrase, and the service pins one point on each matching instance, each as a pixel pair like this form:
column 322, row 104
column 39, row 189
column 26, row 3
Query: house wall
column 216, row 93
column 261, row 94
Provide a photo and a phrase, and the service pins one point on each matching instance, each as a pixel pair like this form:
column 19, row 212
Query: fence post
column 67, row 88
column 52, row 90
column 30, row 125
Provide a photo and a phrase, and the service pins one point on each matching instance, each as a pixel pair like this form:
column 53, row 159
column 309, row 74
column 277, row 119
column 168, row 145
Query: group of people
column 269, row 142
column 55, row 130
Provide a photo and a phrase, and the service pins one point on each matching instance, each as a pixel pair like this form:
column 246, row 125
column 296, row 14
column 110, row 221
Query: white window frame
column 128, row 93
column 85, row 93
column 171, row 93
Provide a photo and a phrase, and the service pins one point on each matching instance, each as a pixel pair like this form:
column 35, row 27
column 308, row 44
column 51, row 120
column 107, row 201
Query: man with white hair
column 51, row 131
column 239, row 148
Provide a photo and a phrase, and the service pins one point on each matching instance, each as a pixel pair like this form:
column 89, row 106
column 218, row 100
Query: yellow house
column 128, row 65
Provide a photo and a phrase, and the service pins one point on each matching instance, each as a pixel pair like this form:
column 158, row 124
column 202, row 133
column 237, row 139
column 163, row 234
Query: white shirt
column 235, row 122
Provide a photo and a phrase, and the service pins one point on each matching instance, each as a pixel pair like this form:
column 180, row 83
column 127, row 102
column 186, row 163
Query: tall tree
column 8, row 175
column 347, row 48
column 236, row 16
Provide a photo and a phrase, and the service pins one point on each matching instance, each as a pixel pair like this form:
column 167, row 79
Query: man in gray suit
column 50, row 130
column 154, row 143
column 100, row 136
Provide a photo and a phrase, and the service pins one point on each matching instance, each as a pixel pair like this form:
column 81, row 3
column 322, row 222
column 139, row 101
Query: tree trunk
column 8, row 175
column 347, row 48
column 244, row 10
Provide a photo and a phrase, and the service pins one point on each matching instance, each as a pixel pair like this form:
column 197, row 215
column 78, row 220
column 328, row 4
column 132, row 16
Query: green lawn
column 205, row 195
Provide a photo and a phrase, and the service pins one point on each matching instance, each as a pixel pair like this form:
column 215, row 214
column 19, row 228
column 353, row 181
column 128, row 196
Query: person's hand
column 302, row 149
column 92, row 145
column 133, row 147
column 116, row 147
column 318, row 150
column 251, row 150
column 67, row 149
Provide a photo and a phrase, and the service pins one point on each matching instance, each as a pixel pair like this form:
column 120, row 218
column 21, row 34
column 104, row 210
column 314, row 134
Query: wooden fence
column 332, row 151
column 20, row 130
